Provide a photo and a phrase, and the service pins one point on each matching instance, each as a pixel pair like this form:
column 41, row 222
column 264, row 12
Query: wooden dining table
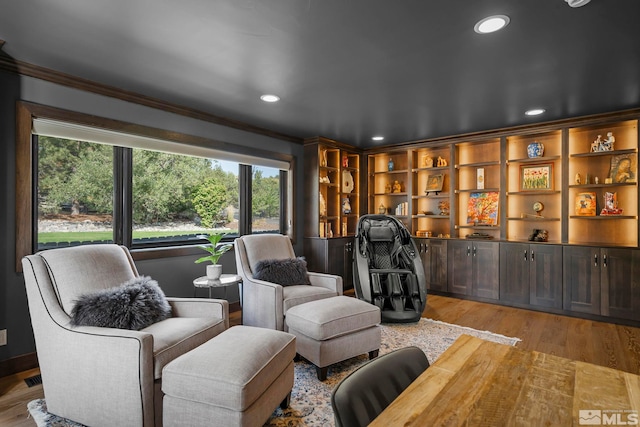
column 482, row 383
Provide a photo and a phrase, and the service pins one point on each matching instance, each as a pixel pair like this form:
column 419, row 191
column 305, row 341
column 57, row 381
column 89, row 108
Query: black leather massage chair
column 387, row 269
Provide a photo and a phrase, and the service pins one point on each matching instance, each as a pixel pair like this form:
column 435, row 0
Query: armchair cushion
column 285, row 272
column 134, row 305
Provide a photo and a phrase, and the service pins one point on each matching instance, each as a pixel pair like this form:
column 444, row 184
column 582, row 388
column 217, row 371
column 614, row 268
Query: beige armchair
column 265, row 304
column 103, row 376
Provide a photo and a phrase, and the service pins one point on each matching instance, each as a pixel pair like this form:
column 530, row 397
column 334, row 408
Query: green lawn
column 88, row 236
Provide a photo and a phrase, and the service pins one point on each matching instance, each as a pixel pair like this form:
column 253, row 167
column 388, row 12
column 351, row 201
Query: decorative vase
column 535, row 149
column 390, row 164
column 214, row 271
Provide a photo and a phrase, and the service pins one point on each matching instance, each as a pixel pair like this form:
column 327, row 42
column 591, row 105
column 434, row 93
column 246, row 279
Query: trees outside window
column 175, row 198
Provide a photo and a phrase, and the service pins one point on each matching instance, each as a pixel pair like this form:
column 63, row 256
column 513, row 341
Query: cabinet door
column 339, row 260
column 437, row 273
column 545, row 275
column 581, row 279
column 620, row 280
column 514, row 272
column 486, row 270
column 459, row 262
column 433, row 254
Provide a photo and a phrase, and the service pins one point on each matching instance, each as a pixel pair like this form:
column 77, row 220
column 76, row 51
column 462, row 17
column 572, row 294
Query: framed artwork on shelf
column 538, row 177
column 434, row 183
column 482, row 208
column 623, row 168
column 586, row 204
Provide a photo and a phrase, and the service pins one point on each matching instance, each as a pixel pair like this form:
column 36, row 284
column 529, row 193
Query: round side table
column 225, row 281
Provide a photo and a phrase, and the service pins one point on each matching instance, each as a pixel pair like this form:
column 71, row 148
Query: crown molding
column 26, row 69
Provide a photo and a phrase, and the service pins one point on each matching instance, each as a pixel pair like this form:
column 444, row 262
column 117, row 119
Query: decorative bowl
column 535, row 149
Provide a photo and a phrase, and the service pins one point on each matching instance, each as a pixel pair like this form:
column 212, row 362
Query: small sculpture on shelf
column 345, row 161
column 611, row 204
column 428, row 162
column 539, row 235
column 387, row 188
column 346, row 206
column 382, row 209
column 323, row 205
column 441, row 162
column 390, row 164
column 578, row 179
column 444, row 207
column 603, row 144
column 397, row 188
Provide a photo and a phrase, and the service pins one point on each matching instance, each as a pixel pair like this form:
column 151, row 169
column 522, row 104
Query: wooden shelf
column 532, row 193
column 532, row 219
column 602, row 217
column 475, row 190
column 604, row 153
column 545, row 159
column 478, row 164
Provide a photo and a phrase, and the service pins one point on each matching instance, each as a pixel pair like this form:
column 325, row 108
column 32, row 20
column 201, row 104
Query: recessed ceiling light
column 491, row 24
column 534, row 112
column 377, row 138
column 270, row 98
column 577, row 3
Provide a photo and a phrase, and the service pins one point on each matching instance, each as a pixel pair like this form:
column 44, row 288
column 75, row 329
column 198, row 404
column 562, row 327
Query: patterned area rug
column 310, row 398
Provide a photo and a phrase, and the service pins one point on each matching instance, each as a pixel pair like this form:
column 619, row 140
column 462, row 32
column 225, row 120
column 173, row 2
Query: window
column 93, row 185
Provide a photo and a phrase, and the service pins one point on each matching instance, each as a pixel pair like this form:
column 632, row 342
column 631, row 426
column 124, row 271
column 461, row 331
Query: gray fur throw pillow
column 134, row 305
column 285, row 272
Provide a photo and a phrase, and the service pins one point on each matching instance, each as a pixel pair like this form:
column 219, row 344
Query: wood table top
column 482, row 383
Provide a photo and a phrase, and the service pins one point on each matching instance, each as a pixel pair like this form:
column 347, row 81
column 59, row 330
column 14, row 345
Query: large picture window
column 142, row 192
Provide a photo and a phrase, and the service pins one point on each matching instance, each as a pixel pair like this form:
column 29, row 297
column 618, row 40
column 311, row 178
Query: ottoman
column 237, row 378
column 334, row 329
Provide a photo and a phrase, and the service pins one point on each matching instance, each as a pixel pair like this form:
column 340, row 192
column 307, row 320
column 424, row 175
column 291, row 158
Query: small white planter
column 214, row 271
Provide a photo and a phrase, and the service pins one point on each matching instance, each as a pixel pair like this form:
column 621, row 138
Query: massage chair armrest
column 328, row 281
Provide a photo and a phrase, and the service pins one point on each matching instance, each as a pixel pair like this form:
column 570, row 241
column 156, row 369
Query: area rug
column 310, row 398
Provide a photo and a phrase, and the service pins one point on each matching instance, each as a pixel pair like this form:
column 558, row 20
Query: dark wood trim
column 24, row 185
column 536, row 128
column 57, row 77
column 17, row 364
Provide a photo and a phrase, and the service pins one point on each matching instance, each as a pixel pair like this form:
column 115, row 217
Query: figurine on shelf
column 390, row 164
column 323, row 206
column 345, row 161
column 382, row 209
column 444, row 207
column 346, row 206
column 428, row 162
column 595, row 145
column 610, row 141
column 611, row 204
column 323, row 158
column 441, row 162
column 578, row 179
column 387, row 188
column 397, row 188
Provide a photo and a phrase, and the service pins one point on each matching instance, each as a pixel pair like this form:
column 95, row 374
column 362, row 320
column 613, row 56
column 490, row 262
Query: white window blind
column 58, row 129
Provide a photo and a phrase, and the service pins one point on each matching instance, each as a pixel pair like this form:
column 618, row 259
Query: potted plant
column 214, row 271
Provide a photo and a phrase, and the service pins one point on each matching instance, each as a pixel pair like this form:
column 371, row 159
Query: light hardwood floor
column 595, row 342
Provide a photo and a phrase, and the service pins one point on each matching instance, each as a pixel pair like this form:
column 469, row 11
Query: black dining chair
column 363, row 394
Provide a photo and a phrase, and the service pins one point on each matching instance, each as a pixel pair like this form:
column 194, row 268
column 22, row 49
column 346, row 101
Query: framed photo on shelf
column 482, row 208
column 538, row 177
column 434, row 183
column 586, row 204
column 623, row 168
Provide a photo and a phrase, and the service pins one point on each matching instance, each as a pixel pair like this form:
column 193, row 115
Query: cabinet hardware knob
column 595, row 260
column 604, row 260
column 525, row 255
column 532, row 256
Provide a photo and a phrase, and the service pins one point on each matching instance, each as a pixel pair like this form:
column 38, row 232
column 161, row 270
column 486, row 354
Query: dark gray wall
column 175, row 275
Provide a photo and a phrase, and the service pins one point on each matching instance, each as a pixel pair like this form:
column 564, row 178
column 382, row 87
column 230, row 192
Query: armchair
column 265, row 304
column 105, row 376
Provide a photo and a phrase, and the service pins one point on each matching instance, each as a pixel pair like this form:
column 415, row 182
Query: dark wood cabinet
column 332, row 256
column 474, row 268
column 531, row 274
column 581, row 279
column 620, row 283
column 433, row 253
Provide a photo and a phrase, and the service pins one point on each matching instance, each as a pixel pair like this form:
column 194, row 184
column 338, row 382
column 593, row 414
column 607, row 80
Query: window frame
column 26, row 181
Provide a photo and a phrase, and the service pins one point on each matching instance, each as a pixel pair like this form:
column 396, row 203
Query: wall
column 175, row 275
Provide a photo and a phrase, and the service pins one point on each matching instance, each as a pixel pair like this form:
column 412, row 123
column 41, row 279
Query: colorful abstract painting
column 483, row 208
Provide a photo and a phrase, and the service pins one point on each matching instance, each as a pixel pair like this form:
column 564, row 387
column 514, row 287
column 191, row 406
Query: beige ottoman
column 334, row 329
column 237, row 378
